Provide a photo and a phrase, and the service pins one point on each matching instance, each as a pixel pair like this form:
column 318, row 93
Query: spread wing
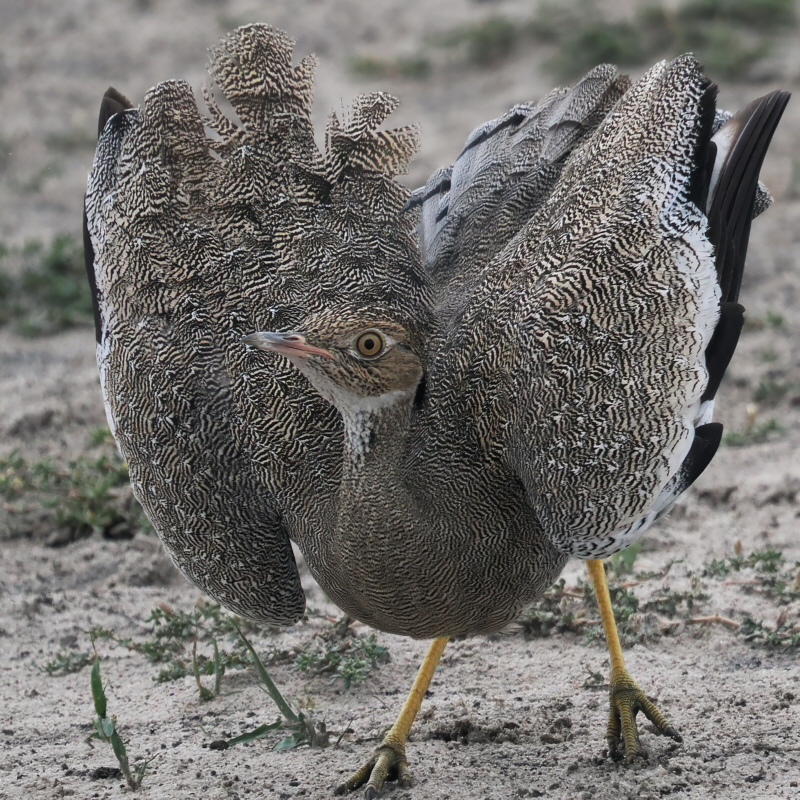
column 585, row 353
column 504, row 174
column 194, row 241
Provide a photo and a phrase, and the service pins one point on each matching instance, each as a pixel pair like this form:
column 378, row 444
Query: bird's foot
column 626, row 700
column 387, row 762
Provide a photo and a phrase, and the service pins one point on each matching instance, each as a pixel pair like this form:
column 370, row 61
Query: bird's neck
column 375, row 434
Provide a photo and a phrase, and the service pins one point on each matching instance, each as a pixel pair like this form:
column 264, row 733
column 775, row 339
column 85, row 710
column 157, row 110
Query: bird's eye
column 370, row 344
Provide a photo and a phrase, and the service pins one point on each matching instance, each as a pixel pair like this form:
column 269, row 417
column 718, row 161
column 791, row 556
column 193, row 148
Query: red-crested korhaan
column 438, row 396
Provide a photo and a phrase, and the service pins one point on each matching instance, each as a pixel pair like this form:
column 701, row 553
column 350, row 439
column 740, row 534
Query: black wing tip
column 704, row 447
column 730, row 209
column 722, row 346
column 113, row 102
column 88, row 259
column 705, row 149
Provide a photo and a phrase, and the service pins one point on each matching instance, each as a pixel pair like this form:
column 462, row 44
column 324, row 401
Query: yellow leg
column 392, row 752
column 625, row 697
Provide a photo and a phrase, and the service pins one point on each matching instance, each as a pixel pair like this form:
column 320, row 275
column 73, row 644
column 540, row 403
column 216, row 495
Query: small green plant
column 625, row 605
column 775, row 319
column 770, row 392
column 557, row 611
column 301, row 726
column 89, row 493
column 767, row 15
column 779, row 638
column 34, row 182
column 106, row 730
column 67, row 662
column 757, row 433
column 551, row 22
column 81, row 496
column 768, row 355
column 764, row 560
column 351, row 659
column 598, row 42
column 484, row 43
column 52, row 293
column 173, row 632
column 75, row 139
column 416, row 67
column 726, row 49
column 774, row 579
column 621, row 563
column 753, row 324
column 671, row 603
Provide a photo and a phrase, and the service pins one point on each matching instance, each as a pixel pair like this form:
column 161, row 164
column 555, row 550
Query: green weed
column 52, row 293
column 485, row 43
column 595, row 43
column 625, row 605
column 67, row 662
column 728, row 36
column 773, row 579
column 75, row 139
column 621, row 563
column 302, row 728
column 82, row 496
column 350, row 659
column 34, row 183
column 106, row 730
column 557, row 611
column 173, row 631
column 552, row 22
column 768, row 355
column 768, row 15
column 753, row 324
column 775, row 319
column 416, row 68
column 758, row 433
column 671, row 603
column 781, row 638
column 725, row 49
column 763, row 560
column 770, row 392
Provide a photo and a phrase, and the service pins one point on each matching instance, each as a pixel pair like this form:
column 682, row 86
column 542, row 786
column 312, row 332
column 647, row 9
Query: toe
column 613, row 732
column 657, row 718
column 630, row 735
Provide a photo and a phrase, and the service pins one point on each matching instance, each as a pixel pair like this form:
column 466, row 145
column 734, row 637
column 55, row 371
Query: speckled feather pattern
column 576, row 359
column 198, row 242
column 559, row 288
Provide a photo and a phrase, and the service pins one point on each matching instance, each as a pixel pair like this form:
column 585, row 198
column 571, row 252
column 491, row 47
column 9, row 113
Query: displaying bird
column 463, row 395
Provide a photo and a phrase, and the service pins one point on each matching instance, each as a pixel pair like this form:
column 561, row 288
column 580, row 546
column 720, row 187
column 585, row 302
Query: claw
column 626, row 700
column 389, row 760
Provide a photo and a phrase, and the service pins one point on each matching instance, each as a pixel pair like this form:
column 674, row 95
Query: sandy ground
column 520, row 717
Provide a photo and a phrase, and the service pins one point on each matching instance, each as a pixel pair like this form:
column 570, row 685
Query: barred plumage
column 568, row 298
column 542, row 350
column 197, row 241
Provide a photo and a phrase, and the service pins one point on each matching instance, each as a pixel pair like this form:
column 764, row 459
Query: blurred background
column 731, row 548
column 453, row 64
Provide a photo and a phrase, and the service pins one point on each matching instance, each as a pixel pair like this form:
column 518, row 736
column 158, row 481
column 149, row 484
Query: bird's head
column 357, row 360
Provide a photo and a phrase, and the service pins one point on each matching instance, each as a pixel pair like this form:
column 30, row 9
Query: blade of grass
column 271, row 688
column 107, row 730
column 219, row 669
column 257, row 733
column 98, row 695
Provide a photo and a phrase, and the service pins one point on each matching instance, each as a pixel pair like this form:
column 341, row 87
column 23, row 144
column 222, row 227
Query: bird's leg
column 625, row 697
column 391, row 755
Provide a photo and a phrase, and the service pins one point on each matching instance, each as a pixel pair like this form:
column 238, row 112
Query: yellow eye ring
column 370, row 344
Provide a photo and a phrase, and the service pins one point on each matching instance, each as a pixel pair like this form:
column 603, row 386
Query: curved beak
column 287, row 344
